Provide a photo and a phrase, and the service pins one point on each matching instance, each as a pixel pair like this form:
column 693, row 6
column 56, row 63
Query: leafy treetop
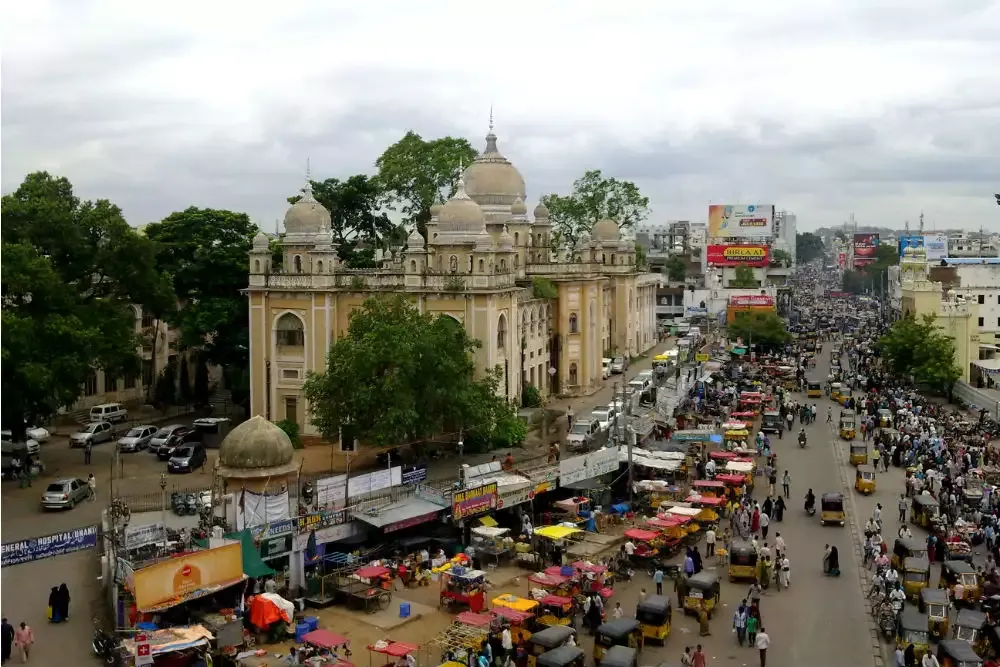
column 594, row 198
column 765, row 328
column 920, row 349
column 808, row 246
column 676, row 269
column 743, row 278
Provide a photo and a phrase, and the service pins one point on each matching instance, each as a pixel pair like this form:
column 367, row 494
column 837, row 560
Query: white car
column 32, row 443
column 605, row 416
column 605, row 368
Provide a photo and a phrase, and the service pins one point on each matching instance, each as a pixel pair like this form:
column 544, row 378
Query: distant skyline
column 824, row 108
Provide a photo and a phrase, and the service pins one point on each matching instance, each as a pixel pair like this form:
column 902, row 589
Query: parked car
column 605, row 416
column 580, row 434
column 619, row 365
column 94, row 433
column 108, row 412
column 136, row 438
column 187, row 458
column 33, row 447
column 605, row 368
column 176, row 441
column 640, row 386
column 65, row 494
column 161, row 437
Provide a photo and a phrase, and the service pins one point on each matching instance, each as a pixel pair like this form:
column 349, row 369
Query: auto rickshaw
column 954, row 572
column 859, row 453
column 619, row 632
column 924, row 510
column 845, row 395
column 835, row 388
column 847, row 425
column 864, row 479
column 884, row 418
column 907, row 547
column 708, row 487
column 655, row 614
column 703, row 586
column 743, row 561
column 934, row 603
column 970, row 627
column 831, row 507
column 620, row 656
column 956, row 653
column 911, row 628
column 916, row 576
column 521, row 622
column 547, row 640
column 563, row 656
column 555, row 610
column 814, row 390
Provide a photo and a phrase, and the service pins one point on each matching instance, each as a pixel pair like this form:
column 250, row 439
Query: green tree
column 201, row 388
column 743, row 278
column 401, row 376
column 71, row 271
column 808, row 246
column 782, row 257
column 358, row 219
column 855, row 282
column 205, row 252
column 765, row 328
column 184, row 383
column 920, row 349
column 676, row 269
column 415, row 173
column 640, row 257
column 594, row 198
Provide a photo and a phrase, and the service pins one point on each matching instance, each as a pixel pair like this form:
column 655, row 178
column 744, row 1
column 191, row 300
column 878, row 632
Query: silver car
column 136, row 438
column 94, row 433
column 580, row 435
column 65, row 494
column 161, row 437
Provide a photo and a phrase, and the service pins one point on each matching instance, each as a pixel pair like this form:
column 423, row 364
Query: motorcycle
column 191, row 502
column 802, row 442
column 810, row 509
column 105, row 647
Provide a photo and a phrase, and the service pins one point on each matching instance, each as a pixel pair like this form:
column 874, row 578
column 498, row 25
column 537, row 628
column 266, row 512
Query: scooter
column 802, row 442
column 105, row 647
column 811, row 509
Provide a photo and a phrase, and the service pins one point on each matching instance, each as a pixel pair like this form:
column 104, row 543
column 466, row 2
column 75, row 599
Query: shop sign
column 143, row 654
column 140, row 536
column 522, row 494
column 409, row 523
column 332, row 491
column 327, row 535
column 276, row 546
column 57, row 544
column 737, row 255
column 588, row 466
column 752, row 300
column 319, row 520
column 414, row 475
column 474, row 501
column 177, row 578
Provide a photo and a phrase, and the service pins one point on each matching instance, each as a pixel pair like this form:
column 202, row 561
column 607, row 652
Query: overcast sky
column 827, row 107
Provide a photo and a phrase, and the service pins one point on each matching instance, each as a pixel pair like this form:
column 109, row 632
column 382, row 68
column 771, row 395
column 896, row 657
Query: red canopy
column 473, row 619
column 732, row 479
column 641, row 535
column 709, row 483
column 722, row 456
column 590, row 567
column 555, row 600
column 544, row 579
column 512, row 615
column 706, row 500
column 742, row 459
column 745, row 413
column 324, row 639
column 554, row 571
column 395, row 649
column 372, row 571
column 674, row 519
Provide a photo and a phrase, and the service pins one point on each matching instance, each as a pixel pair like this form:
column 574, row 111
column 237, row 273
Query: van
column 605, row 368
column 108, row 412
column 581, row 433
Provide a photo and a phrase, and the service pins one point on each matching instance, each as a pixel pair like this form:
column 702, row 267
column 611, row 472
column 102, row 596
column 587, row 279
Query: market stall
column 394, row 651
column 462, row 587
column 492, row 544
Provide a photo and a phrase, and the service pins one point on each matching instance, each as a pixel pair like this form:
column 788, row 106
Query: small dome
column 506, row 240
column 256, row 448
column 484, row 242
column 492, row 179
column 436, row 209
column 606, row 230
column 541, row 211
column 261, row 241
column 307, row 216
column 583, row 241
column 518, row 207
column 415, row 241
column 461, row 215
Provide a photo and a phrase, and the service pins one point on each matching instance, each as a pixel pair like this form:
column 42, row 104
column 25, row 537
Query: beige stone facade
column 476, row 266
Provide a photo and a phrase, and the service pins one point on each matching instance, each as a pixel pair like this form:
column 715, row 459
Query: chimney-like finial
column 491, row 118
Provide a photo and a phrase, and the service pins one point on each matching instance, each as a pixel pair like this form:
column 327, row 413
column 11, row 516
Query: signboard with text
column 865, row 249
column 936, row 246
column 746, row 221
column 475, row 501
column 588, row 466
column 759, row 300
column 57, row 544
column 738, row 255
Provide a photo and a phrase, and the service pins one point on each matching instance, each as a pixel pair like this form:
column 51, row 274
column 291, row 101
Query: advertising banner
column 588, row 466
column 910, row 242
column 520, row 493
column 750, row 221
column 140, row 536
column 738, row 255
column 752, row 300
column 936, row 246
column 474, row 501
column 842, row 259
column 332, row 491
column 177, row 578
column 57, row 544
column 865, row 247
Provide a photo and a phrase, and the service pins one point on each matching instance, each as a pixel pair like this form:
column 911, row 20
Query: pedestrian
column 507, row 642
column 704, row 627
column 740, row 623
column 54, row 607
column 92, row 483
column 709, row 543
column 63, row 602
column 762, row 643
column 24, row 637
column 765, row 522
column 6, row 640
column 698, row 659
column 686, row 658
column 569, row 418
column 786, row 485
column 658, row 580
column 86, row 453
column 752, row 629
column 902, row 508
column 618, row 613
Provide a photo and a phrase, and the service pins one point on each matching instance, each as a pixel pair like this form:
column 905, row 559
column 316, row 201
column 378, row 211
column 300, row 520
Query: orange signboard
column 179, row 578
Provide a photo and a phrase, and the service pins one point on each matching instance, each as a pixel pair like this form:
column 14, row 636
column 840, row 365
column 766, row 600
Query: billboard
column 738, row 255
column 865, row 248
column 750, row 221
column 936, row 246
column 842, row 260
column 912, row 241
column 172, row 580
column 474, row 501
column 37, row 548
column 752, row 300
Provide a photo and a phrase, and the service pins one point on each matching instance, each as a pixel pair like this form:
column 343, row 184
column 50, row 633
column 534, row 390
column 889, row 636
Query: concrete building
column 977, row 280
column 477, row 266
column 785, row 229
column 964, row 244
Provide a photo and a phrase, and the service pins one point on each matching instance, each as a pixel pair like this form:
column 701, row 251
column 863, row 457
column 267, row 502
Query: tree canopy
column 872, row 277
column 71, row 270
column 594, row 198
column 759, row 327
column 920, row 349
column 781, row 257
column 743, row 278
column 808, row 246
column 358, row 219
column 676, row 269
column 401, row 376
column 415, row 173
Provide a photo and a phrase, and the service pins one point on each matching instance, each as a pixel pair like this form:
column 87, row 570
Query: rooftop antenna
column 921, row 222
column 906, row 227
column 308, row 170
column 491, row 118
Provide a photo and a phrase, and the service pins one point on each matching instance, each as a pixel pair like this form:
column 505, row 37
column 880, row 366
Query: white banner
column 331, row 491
column 936, row 246
column 140, row 536
column 374, row 481
column 520, row 493
column 254, row 509
column 588, row 466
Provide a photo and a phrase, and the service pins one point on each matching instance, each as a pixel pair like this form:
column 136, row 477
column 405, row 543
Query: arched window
column 572, row 375
column 517, row 238
column 470, row 263
column 573, row 324
column 503, row 266
column 502, row 332
column 482, row 266
column 533, row 323
column 298, row 264
column 604, row 258
column 147, row 319
column 319, row 266
column 256, row 266
column 516, row 261
column 290, row 332
column 413, row 265
column 612, row 259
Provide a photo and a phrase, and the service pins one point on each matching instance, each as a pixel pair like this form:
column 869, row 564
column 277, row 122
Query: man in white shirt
column 765, row 521
column 709, row 543
column 900, row 659
column 786, row 572
column 507, row 643
column 763, row 643
column 779, row 545
column 930, row 660
column 629, row 548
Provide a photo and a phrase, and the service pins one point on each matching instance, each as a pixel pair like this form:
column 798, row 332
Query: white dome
column 506, row 240
column 307, row 216
column 492, row 179
column 261, row 241
column 606, row 230
column 541, row 211
column 518, row 207
column 461, row 215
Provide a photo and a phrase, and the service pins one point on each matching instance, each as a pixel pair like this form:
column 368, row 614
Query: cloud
column 878, row 108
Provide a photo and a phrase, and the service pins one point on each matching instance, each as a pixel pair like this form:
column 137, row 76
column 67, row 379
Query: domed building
column 545, row 320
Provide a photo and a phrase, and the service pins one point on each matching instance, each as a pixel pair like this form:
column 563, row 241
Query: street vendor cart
column 518, row 612
column 744, row 468
column 461, row 587
column 492, row 544
column 394, row 651
column 555, row 610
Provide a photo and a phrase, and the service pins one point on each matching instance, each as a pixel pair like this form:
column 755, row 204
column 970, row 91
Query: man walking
column 902, row 508
column 92, row 483
column 763, row 642
column 786, row 485
column 86, row 453
column 658, row 580
column 709, row 543
column 6, row 640
column 740, row 623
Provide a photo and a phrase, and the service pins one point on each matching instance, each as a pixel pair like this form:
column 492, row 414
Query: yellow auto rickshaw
column 957, row 653
column 814, row 390
column 924, row 510
column 916, row 576
column 832, row 508
column 969, row 627
column 934, row 602
column 743, row 562
column 619, row 656
column 911, row 628
column 859, row 453
column 547, row 640
column 864, row 479
column 619, row 632
column 698, row 589
column 654, row 615
column 954, row 572
column 907, row 547
column 845, row 395
column 835, row 388
column 847, row 425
